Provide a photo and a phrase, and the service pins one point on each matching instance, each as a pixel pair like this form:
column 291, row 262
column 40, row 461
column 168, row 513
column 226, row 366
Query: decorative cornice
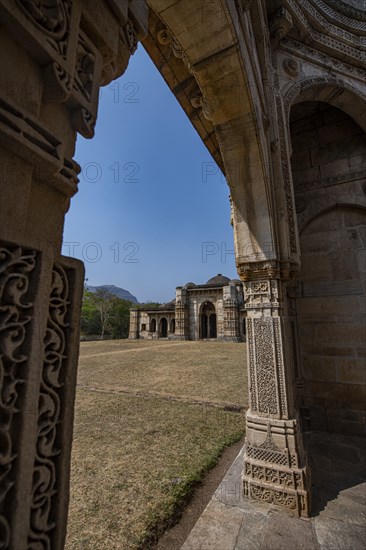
column 29, row 139
column 325, row 35
column 345, row 15
column 325, row 60
column 267, row 269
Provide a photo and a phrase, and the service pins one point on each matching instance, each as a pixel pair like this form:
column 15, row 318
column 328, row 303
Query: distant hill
column 116, row 291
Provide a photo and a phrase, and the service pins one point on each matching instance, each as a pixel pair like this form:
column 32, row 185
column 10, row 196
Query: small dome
column 189, row 285
column 235, row 282
column 219, row 279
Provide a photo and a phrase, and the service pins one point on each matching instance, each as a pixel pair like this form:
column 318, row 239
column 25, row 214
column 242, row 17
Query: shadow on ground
column 338, row 467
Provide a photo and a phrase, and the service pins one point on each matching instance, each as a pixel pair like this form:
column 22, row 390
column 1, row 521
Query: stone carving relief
column 53, row 18
column 272, row 455
column 165, row 38
column 252, row 379
column 281, row 23
column 291, row 66
column 197, row 99
column 45, row 474
column 130, row 37
column 273, row 475
column 286, row 175
column 17, row 272
column 31, row 140
column 71, row 63
column 325, row 60
column 273, row 496
column 265, row 366
column 344, row 43
column 280, row 366
column 199, row 102
column 84, row 68
column 262, row 294
column 345, row 15
column 297, row 89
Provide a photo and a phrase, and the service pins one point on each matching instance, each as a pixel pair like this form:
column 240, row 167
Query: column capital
column 267, row 269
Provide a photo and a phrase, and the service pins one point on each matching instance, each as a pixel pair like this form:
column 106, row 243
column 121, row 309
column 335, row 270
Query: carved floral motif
column 280, row 366
column 291, row 66
column 84, row 69
column 45, row 475
column 16, row 296
column 252, row 387
column 53, row 18
column 266, row 380
column 271, row 496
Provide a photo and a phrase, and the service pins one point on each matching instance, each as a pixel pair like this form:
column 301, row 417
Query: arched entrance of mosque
column 208, row 322
column 329, row 154
column 163, row 332
column 153, row 325
column 172, row 326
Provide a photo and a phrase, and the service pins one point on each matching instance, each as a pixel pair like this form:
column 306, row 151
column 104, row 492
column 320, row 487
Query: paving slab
column 231, row 522
column 218, row 529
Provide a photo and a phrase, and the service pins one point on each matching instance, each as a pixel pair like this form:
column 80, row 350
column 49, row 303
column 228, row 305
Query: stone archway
column 153, row 325
column 163, row 328
column 230, row 67
column 60, row 55
column 328, row 168
column 208, row 321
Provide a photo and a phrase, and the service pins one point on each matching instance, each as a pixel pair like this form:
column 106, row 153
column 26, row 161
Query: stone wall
column 328, row 162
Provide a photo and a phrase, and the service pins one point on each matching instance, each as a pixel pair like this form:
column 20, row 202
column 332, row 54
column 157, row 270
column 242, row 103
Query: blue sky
column 144, row 210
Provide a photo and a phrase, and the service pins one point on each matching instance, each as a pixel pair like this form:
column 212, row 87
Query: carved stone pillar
column 181, row 315
column 231, row 321
column 54, row 57
column 231, row 314
column 274, row 464
column 134, row 324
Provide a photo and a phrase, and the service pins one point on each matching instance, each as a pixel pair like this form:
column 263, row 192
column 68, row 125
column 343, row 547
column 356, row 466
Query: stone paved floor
column 338, row 519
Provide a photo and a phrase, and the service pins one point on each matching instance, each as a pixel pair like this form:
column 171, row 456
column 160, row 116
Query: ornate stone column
column 55, row 56
column 231, row 314
column 274, row 464
column 181, row 315
column 134, row 324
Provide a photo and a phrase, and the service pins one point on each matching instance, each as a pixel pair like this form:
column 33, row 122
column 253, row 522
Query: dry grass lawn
column 150, row 419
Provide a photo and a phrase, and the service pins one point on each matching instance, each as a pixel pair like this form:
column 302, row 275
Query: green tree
column 103, row 302
column 90, row 318
column 105, row 314
column 151, row 305
column 120, row 319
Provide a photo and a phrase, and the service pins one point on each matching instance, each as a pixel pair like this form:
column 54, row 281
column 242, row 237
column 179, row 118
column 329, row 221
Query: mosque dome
column 219, row 279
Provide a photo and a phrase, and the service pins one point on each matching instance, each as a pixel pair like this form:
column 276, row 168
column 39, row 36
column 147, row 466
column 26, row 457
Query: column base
column 272, row 484
column 274, row 469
